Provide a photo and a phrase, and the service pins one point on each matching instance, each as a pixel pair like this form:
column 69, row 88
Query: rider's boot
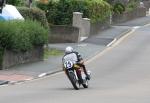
column 87, row 73
column 88, row 76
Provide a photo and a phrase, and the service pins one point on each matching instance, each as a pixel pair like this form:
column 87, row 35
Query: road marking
column 112, row 46
column 41, row 75
column 136, row 27
column 114, row 40
column 147, row 25
column 124, row 37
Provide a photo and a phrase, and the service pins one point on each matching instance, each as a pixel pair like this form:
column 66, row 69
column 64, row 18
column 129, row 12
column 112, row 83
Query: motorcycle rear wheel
column 85, row 85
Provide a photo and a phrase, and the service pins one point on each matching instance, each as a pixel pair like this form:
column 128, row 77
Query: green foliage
column 22, row 35
column 132, row 4
column 61, row 12
column 99, row 10
column 118, row 8
column 15, row 2
column 52, row 52
column 109, row 1
column 34, row 14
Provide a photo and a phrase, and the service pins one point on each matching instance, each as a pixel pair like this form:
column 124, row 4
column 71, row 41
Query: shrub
column 15, row 2
column 59, row 12
column 34, row 14
column 109, row 1
column 118, row 8
column 132, row 4
column 22, row 35
column 99, row 10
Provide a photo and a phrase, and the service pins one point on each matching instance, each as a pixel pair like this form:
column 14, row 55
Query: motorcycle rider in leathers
column 69, row 51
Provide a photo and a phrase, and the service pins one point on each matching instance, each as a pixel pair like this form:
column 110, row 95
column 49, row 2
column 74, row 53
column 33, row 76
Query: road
column 121, row 74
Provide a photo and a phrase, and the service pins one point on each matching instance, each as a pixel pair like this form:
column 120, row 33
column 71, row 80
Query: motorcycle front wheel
column 73, row 80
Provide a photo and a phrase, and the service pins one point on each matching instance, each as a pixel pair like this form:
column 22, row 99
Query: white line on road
column 112, row 46
column 112, row 42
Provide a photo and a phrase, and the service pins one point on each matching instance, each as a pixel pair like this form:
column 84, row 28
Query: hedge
column 132, row 5
column 60, row 12
column 121, row 6
column 22, row 35
column 34, row 14
column 15, row 2
column 99, row 10
column 118, row 8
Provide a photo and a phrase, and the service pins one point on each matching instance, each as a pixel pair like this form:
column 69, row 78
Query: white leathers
column 70, row 57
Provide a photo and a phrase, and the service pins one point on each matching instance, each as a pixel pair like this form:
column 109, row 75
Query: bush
column 132, row 5
column 15, row 2
column 99, row 10
column 118, row 8
column 109, row 1
column 34, row 14
column 22, row 35
column 60, row 12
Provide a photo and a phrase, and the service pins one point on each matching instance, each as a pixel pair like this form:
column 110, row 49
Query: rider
column 70, row 53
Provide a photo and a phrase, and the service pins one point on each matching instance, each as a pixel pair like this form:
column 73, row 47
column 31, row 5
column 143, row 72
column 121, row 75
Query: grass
column 52, row 52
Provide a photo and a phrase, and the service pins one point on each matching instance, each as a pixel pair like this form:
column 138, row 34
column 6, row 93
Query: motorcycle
column 75, row 74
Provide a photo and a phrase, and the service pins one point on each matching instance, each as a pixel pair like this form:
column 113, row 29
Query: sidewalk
column 88, row 48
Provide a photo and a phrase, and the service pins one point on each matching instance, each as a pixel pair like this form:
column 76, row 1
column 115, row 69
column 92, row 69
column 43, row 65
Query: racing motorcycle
column 75, row 74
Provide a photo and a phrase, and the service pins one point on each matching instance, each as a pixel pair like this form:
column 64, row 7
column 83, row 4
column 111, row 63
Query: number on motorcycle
column 68, row 64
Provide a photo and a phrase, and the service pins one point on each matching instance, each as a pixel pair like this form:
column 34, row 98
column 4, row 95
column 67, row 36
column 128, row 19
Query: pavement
column 87, row 48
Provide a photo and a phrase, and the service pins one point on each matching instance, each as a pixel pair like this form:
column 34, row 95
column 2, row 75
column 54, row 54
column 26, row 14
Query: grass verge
column 52, row 52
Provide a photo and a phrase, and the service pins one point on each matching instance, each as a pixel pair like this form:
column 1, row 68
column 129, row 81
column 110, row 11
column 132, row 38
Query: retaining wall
column 13, row 58
column 97, row 27
column 126, row 16
column 146, row 4
column 63, row 34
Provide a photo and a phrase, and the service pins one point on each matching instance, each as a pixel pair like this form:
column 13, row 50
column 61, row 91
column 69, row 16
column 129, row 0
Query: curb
column 118, row 37
column 3, row 82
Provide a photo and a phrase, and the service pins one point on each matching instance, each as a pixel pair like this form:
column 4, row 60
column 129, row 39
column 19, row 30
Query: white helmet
column 69, row 49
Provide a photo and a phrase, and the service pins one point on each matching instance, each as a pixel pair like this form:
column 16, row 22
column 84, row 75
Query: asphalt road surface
column 121, row 74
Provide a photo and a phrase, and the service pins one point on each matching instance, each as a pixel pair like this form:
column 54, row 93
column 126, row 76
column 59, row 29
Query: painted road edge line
column 112, row 42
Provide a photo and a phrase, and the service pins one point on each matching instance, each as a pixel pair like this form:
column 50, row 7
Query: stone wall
column 13, row 58
column 97, row 27
column 86, row 27
column 83, row 24
column 63, row 34
column 82, row 28
column 126, row 16
column 146, row 4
